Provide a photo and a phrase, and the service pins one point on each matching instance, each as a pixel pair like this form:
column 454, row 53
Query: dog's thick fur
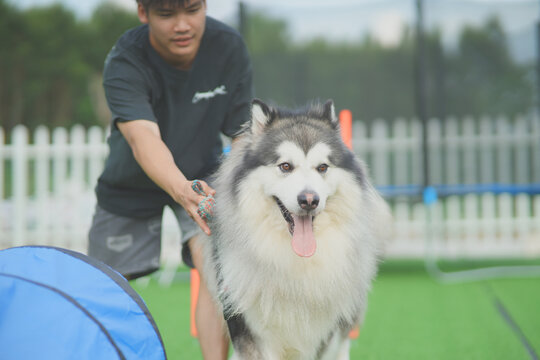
column 284, row 298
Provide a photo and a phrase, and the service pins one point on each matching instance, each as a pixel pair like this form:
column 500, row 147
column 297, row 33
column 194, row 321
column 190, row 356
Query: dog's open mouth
column 301, row 228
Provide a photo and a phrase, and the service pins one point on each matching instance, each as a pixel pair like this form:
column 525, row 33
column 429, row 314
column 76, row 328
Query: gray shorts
column 132, row 246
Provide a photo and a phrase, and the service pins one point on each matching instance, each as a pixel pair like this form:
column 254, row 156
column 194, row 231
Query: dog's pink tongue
column 303, row 241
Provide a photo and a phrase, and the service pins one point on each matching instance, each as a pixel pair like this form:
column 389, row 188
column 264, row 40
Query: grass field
column 410, row 316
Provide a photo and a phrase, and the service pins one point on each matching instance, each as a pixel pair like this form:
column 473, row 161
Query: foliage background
column 51, row 63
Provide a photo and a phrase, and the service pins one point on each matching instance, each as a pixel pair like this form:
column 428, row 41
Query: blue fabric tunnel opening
column 60, row 304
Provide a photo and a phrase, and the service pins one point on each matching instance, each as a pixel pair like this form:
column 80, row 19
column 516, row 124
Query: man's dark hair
column 160, row 3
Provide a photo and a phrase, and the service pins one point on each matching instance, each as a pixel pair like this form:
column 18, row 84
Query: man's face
column 176, row 32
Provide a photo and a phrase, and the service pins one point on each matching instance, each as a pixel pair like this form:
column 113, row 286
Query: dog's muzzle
column 301, row 226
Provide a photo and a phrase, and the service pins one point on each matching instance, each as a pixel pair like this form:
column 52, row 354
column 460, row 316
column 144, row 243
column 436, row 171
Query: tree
column 266, row 35
column 47, row 70
column 107, row 24
column 376, row 81
column 483, row 77
column 51, row 64
column 11, row 95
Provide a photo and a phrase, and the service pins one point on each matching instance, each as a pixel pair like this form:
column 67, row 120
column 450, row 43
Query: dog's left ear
column 261, row 115
column 329, row 112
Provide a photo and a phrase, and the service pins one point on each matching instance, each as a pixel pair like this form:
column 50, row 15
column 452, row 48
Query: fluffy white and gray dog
column 297, row 229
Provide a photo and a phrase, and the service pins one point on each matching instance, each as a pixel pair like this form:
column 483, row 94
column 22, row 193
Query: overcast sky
column 350, row 19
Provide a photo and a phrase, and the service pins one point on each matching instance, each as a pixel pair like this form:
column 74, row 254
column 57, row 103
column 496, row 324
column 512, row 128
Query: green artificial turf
column 410, row 316
column 169, row 306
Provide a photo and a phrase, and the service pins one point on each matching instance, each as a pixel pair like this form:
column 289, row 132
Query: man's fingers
column 194, row 214
column 202, row 224
column 207, row 189
column 196, row 198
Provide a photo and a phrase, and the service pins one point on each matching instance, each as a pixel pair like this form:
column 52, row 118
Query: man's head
column 160, row 3
column 176, row 28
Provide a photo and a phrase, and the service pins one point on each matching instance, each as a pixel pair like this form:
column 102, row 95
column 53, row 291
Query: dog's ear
column 329, row 112
column 261, row 115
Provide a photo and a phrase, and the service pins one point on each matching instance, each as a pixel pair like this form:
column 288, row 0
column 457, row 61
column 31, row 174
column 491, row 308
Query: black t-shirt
column 190, row 107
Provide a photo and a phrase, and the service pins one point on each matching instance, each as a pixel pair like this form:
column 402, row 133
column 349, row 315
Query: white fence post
column 535, row 138
column 4, row 220
column 43, row 182
column 380, row 167
column 417, row 168
column 400, row 152
column 96, row 140
column 504, row 151
column 468, row 145
column 453, row 168
column 77, row 145
column 360, row 139
column 60, row 175
column 485, row 139
column 488, row 222
column 2, row 158
column 471, row 216
column 20, row 182
column 532, row 246
column 59, row 160
column 506, row 225
column 435, row 151
column 521, row 147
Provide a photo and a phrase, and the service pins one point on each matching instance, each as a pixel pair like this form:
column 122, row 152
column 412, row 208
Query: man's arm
column 144, row 138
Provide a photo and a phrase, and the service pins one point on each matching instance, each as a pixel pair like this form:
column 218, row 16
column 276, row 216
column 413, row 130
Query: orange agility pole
column 195, row 282
column 345, row 122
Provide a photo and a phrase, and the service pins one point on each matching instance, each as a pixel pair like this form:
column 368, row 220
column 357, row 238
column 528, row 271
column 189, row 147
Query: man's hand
column 190, row 200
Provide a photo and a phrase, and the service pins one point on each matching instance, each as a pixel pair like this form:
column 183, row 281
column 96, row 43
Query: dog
column 296, row 235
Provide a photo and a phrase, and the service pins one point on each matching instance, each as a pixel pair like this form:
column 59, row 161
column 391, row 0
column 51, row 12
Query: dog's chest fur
column 300, row 305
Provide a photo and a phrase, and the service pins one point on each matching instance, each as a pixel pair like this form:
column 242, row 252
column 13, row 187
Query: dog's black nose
column 308, row 200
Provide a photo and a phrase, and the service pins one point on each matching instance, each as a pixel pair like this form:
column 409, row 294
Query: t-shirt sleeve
column 240, row 104
column 127, row 91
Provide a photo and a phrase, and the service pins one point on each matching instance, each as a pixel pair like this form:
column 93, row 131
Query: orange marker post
column 345, row 122
column 194, row 290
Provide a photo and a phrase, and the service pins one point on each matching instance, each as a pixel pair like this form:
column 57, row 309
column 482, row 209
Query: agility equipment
column 345, row 122
column 60, row 304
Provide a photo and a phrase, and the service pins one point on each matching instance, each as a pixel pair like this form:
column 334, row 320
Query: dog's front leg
column 245, row 343
column 344, row 351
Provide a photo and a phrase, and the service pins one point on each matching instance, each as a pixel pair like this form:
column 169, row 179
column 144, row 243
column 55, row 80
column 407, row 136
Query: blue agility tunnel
column 59, row 304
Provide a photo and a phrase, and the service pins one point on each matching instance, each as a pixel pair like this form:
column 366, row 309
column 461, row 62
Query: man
column 172, row 85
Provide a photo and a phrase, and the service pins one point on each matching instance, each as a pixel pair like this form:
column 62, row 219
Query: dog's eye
column 285, row 167
column 322, row 168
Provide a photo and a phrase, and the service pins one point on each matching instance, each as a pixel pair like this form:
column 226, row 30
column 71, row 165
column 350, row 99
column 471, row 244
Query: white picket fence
column 50, row 182
column 465, row 152
column 47, row 180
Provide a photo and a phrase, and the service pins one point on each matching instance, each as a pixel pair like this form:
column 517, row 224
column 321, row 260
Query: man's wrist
column 179, row 191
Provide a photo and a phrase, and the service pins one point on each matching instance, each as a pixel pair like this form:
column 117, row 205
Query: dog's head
column 297, row 161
